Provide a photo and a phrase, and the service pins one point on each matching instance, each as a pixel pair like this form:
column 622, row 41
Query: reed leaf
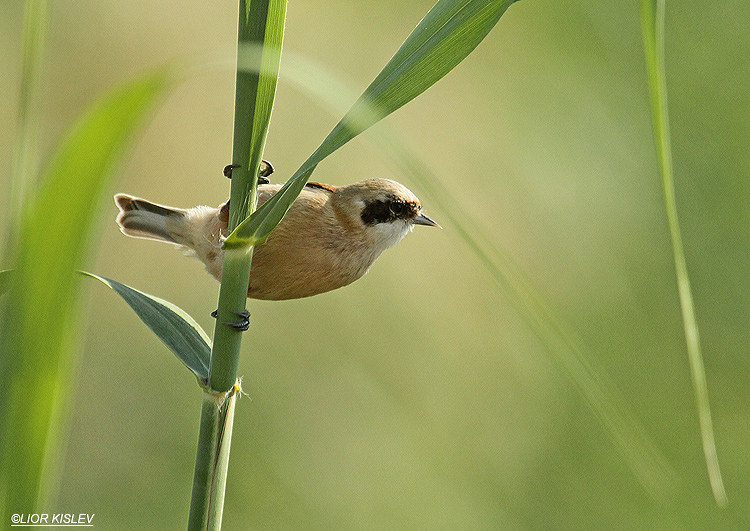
column 652, row 25
column 38, row 321
column 572, row 355
column 446, row 35
column 171, row 324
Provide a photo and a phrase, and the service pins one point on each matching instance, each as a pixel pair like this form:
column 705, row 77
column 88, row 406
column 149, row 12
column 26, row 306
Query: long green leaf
column 646, row 461
column 171, row 324
column 652, row 24
column 447, row 34
column 37, row 326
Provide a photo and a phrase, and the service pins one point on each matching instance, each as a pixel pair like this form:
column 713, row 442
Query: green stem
column 653, row 34
column 212, row 461
column 260, row 29
column 225, row 356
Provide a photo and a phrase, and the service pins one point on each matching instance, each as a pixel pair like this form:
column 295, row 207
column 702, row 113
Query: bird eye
column 397, row 207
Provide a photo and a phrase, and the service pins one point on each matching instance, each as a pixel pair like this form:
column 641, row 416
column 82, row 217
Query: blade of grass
column 38, row 321
column 447, row 34
column 260, row 38
column 171, row 324
column 652, row 24
column 648, row 464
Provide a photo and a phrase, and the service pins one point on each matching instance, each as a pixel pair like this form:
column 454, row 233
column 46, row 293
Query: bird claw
column 266, row 169
column 241, row 325
column 228, row 170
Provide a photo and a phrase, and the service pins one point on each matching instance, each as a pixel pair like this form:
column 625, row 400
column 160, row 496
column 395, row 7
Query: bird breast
column 310, row 252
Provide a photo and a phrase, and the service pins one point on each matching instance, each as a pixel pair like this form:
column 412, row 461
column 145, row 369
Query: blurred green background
column 417, row 398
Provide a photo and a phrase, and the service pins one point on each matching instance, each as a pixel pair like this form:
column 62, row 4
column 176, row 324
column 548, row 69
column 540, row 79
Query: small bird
column 329, row 238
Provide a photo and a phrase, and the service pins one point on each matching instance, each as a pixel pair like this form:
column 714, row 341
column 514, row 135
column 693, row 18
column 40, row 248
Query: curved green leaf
column 38, row 324
column 171, row 324
column 652, row 25
column 618, row 418
column 447, row 34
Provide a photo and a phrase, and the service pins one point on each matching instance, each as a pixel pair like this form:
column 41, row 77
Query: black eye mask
column 388, row 210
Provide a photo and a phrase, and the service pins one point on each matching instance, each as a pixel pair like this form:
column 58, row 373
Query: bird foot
column 228, row 170
column 241, row 325
column 266, row 169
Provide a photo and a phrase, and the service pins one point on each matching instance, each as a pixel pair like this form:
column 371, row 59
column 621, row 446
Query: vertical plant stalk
column 261, row 27
column 217, row 416
column 259, row 41
column 652, row 20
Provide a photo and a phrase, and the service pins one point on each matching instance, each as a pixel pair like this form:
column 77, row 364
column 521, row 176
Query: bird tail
column 142, row 219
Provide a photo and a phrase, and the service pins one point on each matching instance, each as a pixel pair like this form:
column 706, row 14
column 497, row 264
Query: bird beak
column 423, row 219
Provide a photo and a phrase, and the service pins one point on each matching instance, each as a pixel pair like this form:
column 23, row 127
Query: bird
column 329, row 238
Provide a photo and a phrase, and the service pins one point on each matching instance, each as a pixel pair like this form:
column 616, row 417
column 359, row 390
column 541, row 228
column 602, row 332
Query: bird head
column 383, row 210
